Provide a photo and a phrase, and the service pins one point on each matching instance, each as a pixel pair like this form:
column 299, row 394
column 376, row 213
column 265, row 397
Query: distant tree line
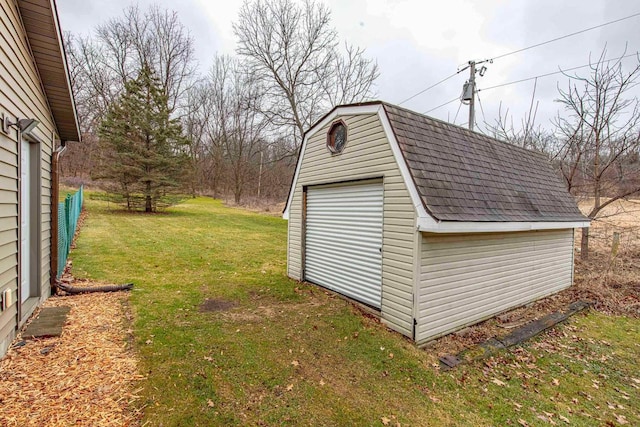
column 153, row 124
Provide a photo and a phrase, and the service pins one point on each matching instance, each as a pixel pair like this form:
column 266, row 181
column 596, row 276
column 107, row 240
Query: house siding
column 367, row 155
column 21, row 96
column 467, row 278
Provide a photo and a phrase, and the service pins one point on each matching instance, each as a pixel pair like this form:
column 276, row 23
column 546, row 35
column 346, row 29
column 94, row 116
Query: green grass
column 290, row 354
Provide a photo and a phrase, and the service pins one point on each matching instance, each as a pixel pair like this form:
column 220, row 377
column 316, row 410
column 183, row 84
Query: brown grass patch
column 263, row 206
column 611, row 280
column 86, row 376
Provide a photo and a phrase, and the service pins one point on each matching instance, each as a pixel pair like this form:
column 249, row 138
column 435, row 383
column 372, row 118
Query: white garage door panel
column 344, row 240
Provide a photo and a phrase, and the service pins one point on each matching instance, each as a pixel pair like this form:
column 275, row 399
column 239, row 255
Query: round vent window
column 337, row 137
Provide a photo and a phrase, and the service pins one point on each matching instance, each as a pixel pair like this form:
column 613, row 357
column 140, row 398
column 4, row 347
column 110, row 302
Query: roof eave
column 54, row 74
column 428, row 225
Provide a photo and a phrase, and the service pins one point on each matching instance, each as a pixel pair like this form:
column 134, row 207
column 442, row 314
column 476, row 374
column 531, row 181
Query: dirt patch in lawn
column 213, row 304
column 87, row 376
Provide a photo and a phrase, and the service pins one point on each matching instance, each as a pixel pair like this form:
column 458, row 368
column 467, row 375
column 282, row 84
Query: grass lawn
column 284, row 353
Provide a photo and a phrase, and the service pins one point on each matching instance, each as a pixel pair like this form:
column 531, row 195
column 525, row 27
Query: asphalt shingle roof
column 466, row 176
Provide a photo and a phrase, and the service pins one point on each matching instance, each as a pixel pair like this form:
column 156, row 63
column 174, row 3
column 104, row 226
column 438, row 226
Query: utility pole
column 469, row 89
column 472, row 84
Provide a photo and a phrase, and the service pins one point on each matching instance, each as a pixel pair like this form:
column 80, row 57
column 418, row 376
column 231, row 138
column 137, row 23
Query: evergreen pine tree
column 145, row 149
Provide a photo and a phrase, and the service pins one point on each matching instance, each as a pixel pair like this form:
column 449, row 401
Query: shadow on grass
column 116, row 210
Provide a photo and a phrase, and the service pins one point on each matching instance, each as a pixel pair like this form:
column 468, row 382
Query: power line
column 441, row 105
column 552, row 73
column 430, row 87
column 521, row 50
column 565, row 36
column 481, row 109
column 456, row 116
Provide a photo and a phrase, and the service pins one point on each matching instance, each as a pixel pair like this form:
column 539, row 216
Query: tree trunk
column 584, row 244
column 148, row 205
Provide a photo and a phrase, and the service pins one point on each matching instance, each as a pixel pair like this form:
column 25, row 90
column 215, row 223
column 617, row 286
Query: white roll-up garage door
column 344, row 240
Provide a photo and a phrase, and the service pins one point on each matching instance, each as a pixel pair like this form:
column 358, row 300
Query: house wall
column 366, row 155
column 21, row 96
column 466, row 278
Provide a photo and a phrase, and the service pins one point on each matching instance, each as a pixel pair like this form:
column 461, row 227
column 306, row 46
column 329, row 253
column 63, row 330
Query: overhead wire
column 484, row 119
column 430, row 87
column 522, row 50
column 525, row 79
column 564, row 37
column 441, row 105
column 552, row 73
column 456, row 116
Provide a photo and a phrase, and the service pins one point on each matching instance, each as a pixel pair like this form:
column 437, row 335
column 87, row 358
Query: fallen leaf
column 621, row 419
column 522, row 422
column 385, row 421
column 543, row 418
column 295, row 363
column 208, row 359
column 290, row 387
column 555, row 382
column 322, row 382
column 381, row 348
column 390, row 355
column 635, row 380
column 210, row 403
column 498, row 382
column 434, row 399
column 565, row 419
column 148, row 342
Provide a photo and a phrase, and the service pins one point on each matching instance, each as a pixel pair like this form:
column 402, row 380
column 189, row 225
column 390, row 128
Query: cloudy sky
column 418, row 43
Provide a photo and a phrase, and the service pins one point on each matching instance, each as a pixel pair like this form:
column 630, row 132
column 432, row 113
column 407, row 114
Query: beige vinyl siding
column 367, row 155
column 21, row 96
column 466, row 278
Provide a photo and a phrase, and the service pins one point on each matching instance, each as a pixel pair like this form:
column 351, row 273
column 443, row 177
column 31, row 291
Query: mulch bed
column 87, row 376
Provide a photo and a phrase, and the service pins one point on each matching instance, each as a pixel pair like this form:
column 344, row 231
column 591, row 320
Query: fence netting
column 68, row 215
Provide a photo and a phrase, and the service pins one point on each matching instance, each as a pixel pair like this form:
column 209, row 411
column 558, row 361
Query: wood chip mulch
column 87, row 376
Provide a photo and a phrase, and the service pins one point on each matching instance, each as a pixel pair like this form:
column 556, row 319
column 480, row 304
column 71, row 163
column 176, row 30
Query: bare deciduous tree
column 155, row 38
column 101, row 65
column 600, row 134
column 528, row 134
column 294, row 53
column 196, row 121
column 237, row 125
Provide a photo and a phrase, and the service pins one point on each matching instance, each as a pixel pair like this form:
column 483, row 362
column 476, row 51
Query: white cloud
column 417, row 43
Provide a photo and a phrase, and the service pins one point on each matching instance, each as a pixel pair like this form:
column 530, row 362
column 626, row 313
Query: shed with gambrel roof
column 435, row 226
